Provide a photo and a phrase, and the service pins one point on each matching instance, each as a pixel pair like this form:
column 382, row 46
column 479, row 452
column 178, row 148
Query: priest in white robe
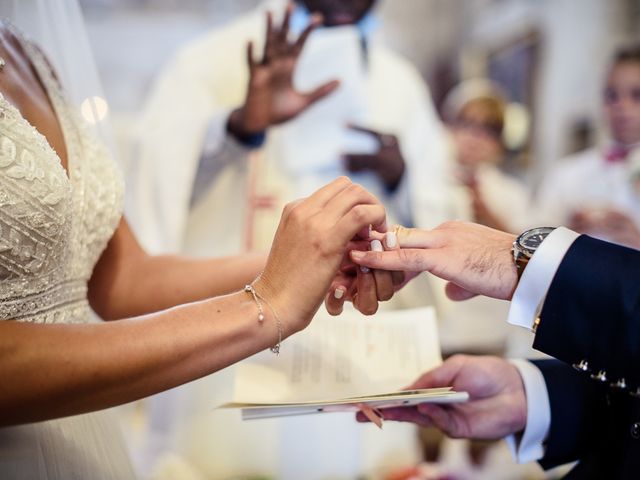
column 192, row 176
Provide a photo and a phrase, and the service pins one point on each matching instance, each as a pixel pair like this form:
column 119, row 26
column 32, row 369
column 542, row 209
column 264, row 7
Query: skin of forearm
column 156, row 283
column 51, row 371
column 127, row 282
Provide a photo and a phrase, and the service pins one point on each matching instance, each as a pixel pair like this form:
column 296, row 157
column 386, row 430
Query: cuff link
column 536, row 324
column 621, row 384
column 583, row 366
column 601, row 376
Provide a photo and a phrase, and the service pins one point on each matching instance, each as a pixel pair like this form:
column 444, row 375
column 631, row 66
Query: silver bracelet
column 257, row 298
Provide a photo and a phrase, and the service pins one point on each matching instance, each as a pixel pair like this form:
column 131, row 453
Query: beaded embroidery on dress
column 53, row 229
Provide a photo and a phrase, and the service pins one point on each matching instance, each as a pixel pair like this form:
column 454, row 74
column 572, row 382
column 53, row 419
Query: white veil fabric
column 58, row 28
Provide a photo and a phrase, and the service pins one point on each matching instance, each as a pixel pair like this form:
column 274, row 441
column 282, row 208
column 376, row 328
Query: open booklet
column 342, row 364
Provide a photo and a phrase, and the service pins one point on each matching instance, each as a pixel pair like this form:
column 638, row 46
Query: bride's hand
column 364, row 287
column 310, row 245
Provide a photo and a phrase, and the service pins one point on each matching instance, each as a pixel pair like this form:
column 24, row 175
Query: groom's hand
column 497, row 404
column 476, row 260
column 272, row 98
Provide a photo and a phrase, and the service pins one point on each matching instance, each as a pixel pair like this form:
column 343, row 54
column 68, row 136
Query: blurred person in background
column 476, row 112
column 597, row 191
column 259, row 112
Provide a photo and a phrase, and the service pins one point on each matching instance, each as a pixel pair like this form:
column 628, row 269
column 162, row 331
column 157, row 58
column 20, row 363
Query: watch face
column 532, row 239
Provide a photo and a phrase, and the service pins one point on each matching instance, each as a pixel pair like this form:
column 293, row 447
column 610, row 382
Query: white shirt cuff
column 537, row 277
column 529, row 447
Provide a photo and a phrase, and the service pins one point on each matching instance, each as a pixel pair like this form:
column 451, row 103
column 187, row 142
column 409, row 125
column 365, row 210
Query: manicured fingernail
column 338, row 293
column 392, row 240
column 357, row 255
column 364, row 269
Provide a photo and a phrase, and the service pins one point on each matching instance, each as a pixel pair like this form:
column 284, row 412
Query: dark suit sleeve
column 592, row 310
column 577, row 406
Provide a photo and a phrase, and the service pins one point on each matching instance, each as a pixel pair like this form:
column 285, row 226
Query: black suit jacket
column 590, row 321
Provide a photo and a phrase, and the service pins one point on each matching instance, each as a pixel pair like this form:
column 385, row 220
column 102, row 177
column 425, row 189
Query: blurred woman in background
column 476, row 113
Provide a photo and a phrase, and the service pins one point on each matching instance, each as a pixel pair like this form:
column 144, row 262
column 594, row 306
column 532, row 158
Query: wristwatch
column 526, row 245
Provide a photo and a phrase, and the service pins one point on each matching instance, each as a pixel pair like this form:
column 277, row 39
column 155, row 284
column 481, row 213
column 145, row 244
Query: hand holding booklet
column 345, row 363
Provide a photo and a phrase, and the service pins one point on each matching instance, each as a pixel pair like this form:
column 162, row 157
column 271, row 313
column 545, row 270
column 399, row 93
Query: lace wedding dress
column 53, row 228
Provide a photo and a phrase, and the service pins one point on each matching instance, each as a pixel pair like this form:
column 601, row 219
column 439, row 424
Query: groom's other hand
column 497, row 404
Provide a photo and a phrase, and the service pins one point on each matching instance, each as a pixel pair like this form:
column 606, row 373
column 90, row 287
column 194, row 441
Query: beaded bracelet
column 256, row 297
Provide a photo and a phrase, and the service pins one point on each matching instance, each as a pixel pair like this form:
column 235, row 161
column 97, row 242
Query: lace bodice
column 53, row 227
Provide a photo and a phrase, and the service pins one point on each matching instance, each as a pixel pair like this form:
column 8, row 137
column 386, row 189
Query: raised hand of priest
column 271, row 97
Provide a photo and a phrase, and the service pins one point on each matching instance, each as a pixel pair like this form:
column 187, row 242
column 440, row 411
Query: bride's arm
column 50, row 371
column 127, row 282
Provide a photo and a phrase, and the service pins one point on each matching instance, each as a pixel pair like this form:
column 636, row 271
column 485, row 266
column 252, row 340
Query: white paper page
column 346, row 356
column 386, row 402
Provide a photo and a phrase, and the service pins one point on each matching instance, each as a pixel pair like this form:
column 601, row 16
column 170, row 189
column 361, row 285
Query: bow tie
column 617, row 154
